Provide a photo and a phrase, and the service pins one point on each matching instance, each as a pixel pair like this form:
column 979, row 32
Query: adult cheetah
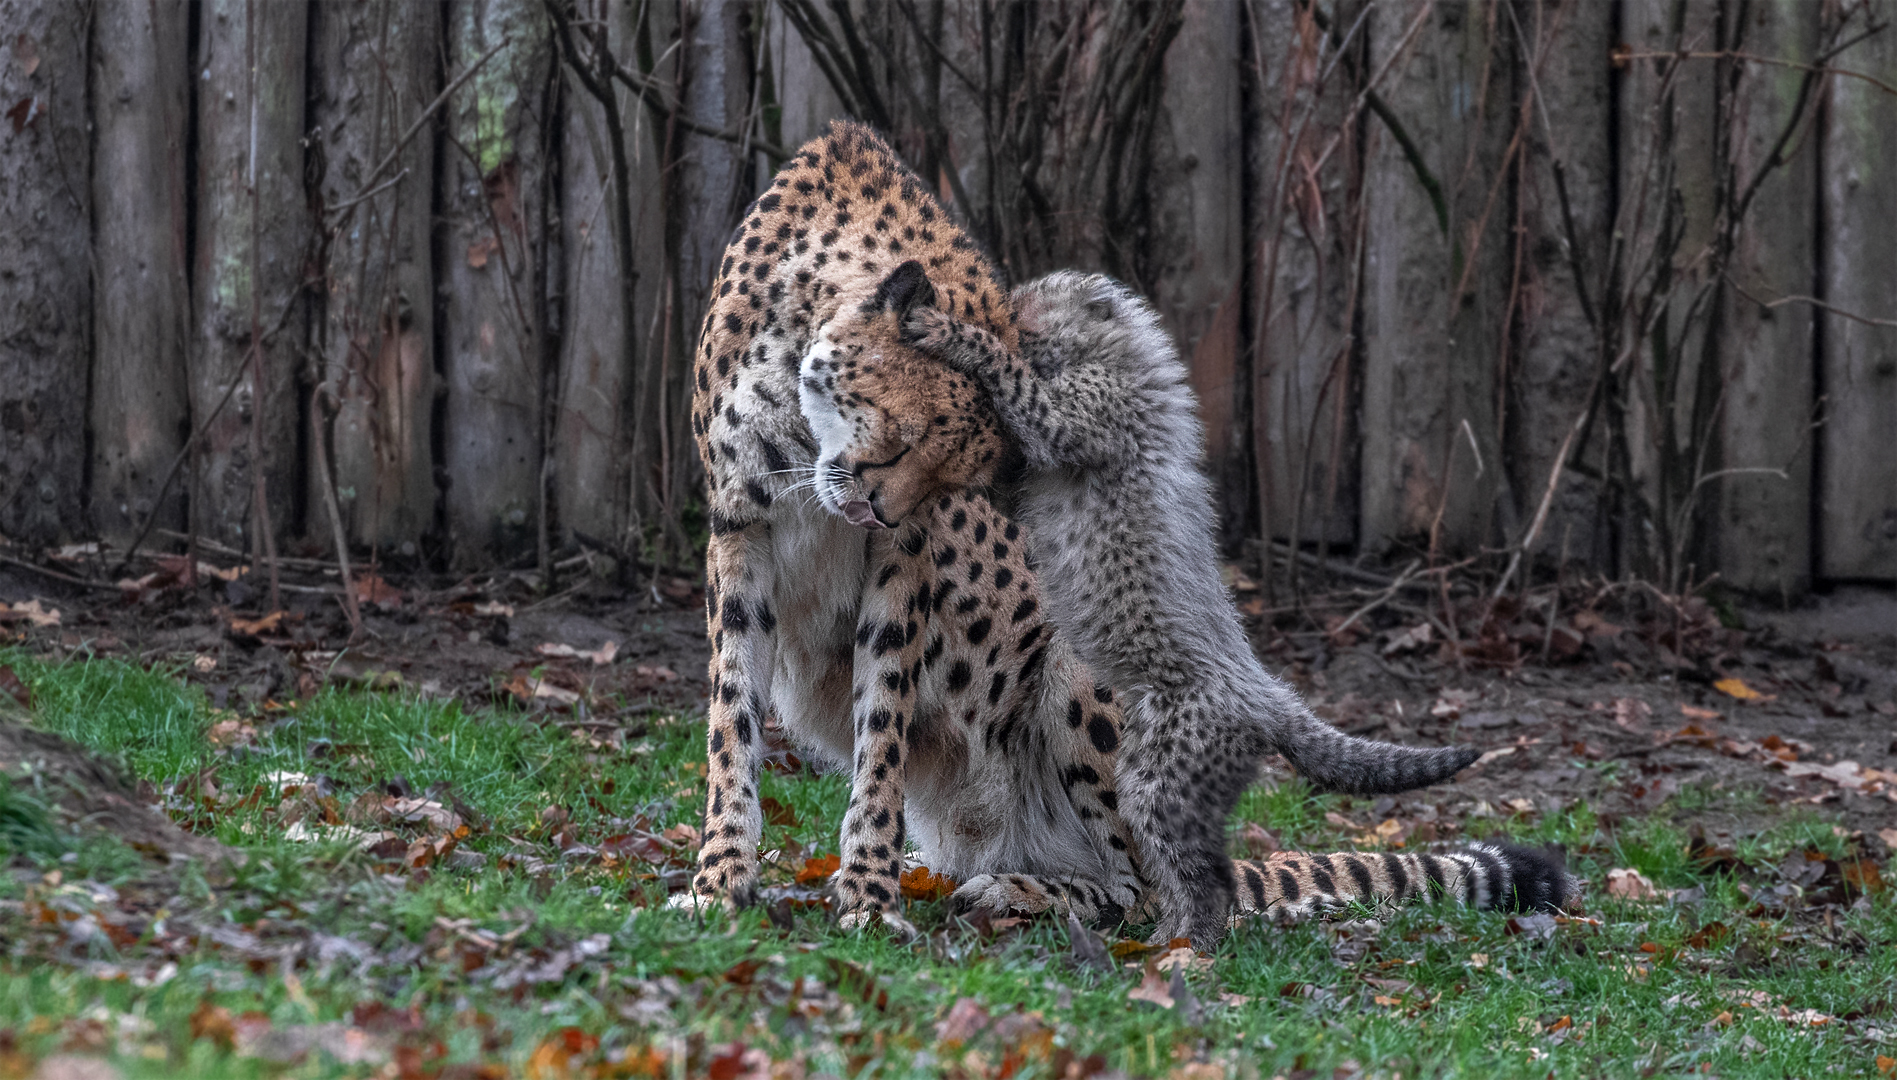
column 898, row 632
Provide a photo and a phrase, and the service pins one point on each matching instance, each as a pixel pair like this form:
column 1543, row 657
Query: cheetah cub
column 1121, row 521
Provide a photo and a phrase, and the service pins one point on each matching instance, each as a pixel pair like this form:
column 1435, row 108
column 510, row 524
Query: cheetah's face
column 895, row 428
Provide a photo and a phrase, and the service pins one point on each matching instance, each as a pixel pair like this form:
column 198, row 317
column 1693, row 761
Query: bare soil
column 1602, row 697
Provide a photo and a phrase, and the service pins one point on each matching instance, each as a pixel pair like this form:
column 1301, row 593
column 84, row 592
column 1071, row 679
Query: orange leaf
column 213, row 1022
column 818, row 870
column 1886, row 1066
column 257, row 627
column 1737, row 688
column 1694, row 712
column 923, row 883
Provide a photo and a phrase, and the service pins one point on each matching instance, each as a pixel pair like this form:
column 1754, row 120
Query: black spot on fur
column 959, row 676
column 978, row 631
column 1100, row 732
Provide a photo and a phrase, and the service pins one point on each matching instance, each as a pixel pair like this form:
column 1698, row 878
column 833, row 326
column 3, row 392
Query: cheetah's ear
column 906, row 287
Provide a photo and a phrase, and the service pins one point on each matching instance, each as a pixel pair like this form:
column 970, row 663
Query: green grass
column 1463, row 993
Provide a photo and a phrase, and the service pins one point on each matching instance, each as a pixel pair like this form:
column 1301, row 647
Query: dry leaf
column 233, row 732
column 480, row 251
column 371, row 589
column 213, row 1022
column 1694, row 712
column 817, row 871
column 921, row 883
column 494, row 609
column 258, row 627
column 1183, row 957
column 31, row 612
column 1630, row 884
column 600, row 656
column 26, row 51
column 1153, row 989
column 1736, row 688
column 1631, row 713
column 1415, row 637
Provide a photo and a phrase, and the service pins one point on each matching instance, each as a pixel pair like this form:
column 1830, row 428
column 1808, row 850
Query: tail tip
column 1538, row 877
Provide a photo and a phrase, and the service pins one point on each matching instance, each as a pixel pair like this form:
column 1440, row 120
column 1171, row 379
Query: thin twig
column 1813, row 301
column 1621, row 57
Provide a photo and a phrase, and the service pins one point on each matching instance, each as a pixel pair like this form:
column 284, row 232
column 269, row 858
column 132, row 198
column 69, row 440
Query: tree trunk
column 141, row 93
column 45, row 281
column 376, row 71
column 493, row 186
column 1857, row 515
column 252, row 240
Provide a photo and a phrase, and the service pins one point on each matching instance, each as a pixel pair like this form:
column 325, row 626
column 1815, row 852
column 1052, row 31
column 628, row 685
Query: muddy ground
column 1615, row 696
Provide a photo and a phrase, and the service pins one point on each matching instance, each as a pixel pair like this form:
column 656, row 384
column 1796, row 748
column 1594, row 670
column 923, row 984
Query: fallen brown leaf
column 1630, row 884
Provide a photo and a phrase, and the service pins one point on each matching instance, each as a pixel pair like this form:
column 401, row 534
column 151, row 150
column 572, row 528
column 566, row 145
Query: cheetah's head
column 895, row 428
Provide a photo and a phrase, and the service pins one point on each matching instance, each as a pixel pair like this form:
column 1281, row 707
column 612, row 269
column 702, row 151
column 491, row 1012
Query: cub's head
column 895, row 428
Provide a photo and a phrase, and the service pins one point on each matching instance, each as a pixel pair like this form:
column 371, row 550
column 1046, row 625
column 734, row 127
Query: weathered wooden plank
column 1198, row 291
column 1763, row 535
column 1670, row 154
column 1857, row 500
column 491, row 204
column 1434, row 299
column 45, row 288
column 1558, row 348
column 594, row 422
column 252, row 240
column 141, row 83
column 1306, row 213
column 375, row 70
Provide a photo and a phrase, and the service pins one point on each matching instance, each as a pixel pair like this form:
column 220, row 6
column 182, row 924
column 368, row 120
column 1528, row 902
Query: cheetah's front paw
column 889, row 920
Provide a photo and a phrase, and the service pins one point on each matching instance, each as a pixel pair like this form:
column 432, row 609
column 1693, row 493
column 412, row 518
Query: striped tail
column 1505, row 877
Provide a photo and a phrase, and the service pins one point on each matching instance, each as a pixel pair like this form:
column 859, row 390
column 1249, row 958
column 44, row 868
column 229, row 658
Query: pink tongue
column 857, row 512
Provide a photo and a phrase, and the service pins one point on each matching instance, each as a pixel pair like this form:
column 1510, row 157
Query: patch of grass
column 590, row 965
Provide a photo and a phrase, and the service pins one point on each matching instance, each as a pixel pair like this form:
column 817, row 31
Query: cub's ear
column 906, row 287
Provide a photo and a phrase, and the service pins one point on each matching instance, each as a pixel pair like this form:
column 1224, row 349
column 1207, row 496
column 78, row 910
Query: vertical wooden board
column 1558, row 356
column 805, row 97
column 141, row 82
column 1857, row 507
column 1763, row 535
column 606, row 439
column 1668, row 151
column 375, row 71
column 490, row 235
column 1200, row 202
column 1428, row 404
column 716, row 177
column 45, row 289
column 252, row 241
column 1305, row 344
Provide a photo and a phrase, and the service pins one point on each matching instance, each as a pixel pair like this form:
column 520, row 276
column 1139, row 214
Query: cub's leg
column 743, row 628
column 890, row 633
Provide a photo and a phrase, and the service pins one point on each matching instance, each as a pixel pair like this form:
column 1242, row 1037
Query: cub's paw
column 889, row 920
column 927, row 328
column 1011, row 894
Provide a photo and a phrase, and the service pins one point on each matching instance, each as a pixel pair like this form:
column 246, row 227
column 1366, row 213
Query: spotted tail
column 1504, row 877
column 1335, row 761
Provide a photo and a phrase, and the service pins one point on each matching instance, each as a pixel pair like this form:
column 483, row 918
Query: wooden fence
column 1609, row 283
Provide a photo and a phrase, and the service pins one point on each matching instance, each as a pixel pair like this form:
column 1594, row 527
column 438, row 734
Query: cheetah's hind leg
column 1093, row 903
